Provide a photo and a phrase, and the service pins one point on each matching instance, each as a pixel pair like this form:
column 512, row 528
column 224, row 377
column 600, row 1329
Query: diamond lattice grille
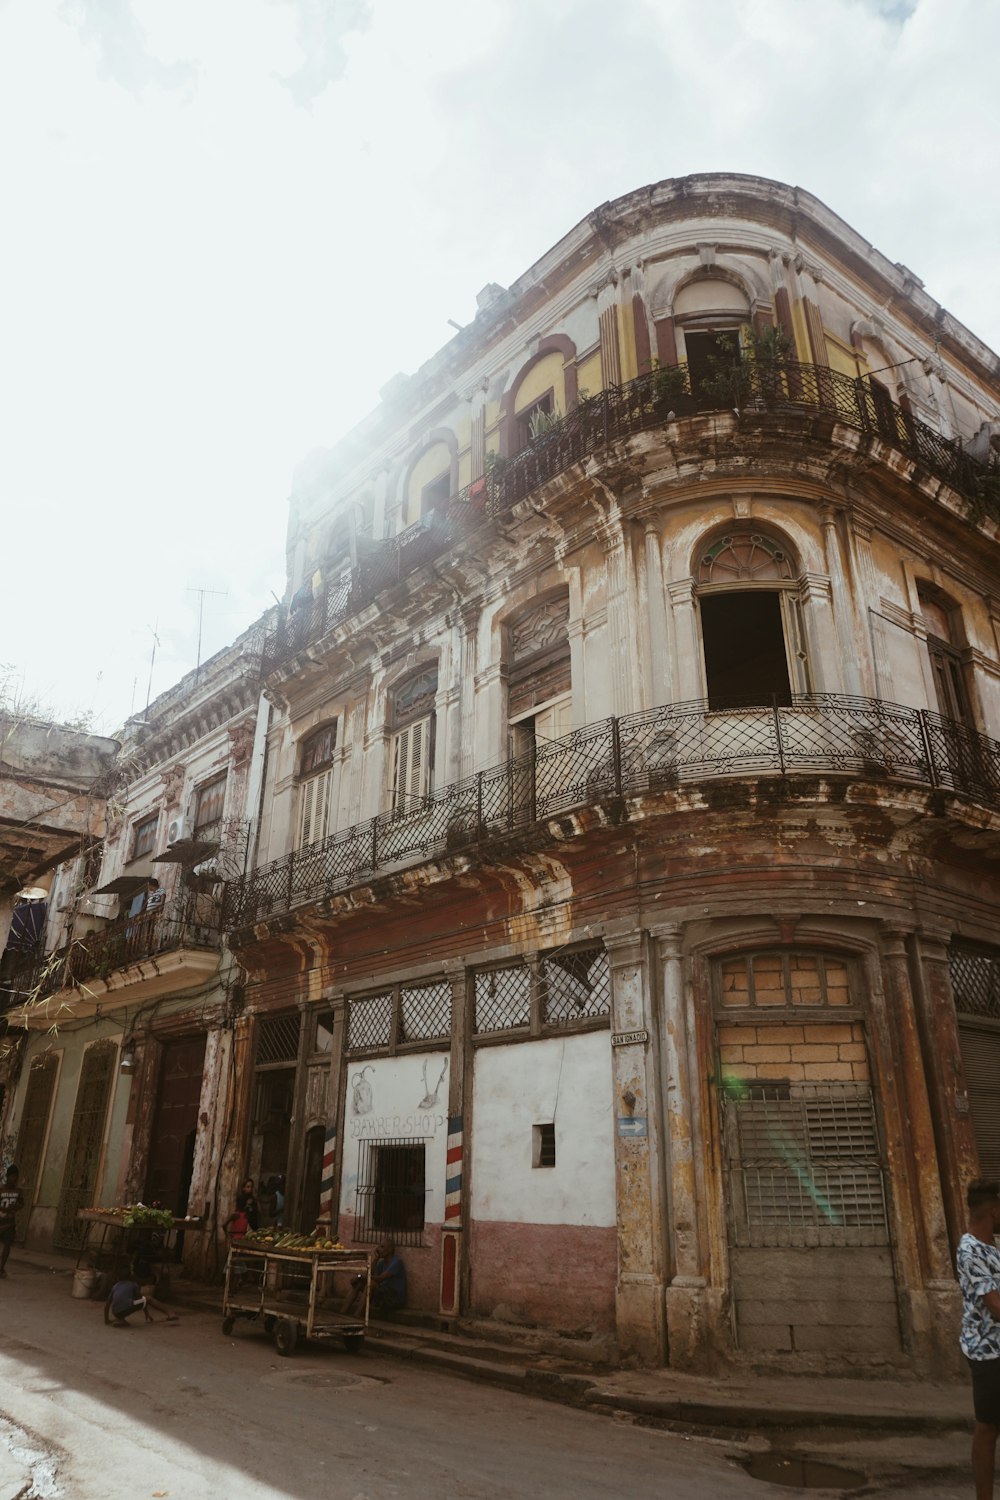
column 278, row 1038
column 369, row 1024
column 503, row 998
column 425, row 1012
column 975, row 981
column 577, row 985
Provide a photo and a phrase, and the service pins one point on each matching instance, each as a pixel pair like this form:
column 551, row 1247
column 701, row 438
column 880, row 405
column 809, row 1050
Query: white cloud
column 228, row 224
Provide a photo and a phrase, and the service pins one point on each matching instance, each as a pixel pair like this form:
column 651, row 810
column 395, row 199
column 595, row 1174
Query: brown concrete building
column 622, row 937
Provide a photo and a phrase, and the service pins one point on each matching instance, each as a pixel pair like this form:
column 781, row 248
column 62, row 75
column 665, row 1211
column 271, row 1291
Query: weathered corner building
column 621, row 936
column 126, row 1010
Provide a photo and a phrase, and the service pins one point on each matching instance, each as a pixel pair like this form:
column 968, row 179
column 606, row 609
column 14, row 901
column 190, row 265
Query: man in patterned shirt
column 978, row 1262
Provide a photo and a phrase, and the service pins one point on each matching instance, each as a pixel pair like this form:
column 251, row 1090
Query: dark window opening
column 745, row 661
column 533, row 421
column 708, row 355
column 144, row 836
column 208, row 810
column 435, row 496
column 317, row 750
column 543, row 1145
column 391, row 1191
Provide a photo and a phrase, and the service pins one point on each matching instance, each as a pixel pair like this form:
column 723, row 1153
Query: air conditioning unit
column 175, row 831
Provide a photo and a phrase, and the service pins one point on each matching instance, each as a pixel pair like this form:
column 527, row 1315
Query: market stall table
column 295, row 1291
column 152, row 1245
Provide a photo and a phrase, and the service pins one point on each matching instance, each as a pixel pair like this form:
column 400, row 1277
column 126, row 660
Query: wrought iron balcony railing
column 98, row 956
column 776, row 386
column 653, row 751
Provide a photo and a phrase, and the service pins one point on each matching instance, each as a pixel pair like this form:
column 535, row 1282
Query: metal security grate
column 369, row 1023
column 391, row 1193
column 278, row 1038
column 803, row 1165
column 576, row 985
column 975, row 982
column 503, row 998
column 425, row 1012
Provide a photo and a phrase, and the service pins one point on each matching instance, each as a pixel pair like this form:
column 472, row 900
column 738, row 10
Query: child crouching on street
column 125, row 1298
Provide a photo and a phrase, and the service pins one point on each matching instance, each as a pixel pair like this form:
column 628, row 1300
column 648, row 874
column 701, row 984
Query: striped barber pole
column 326, row 1181
column 453, row 1170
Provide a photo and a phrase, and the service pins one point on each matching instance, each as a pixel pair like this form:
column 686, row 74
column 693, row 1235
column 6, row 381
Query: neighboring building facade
column 622, row 937
column 130, row 1013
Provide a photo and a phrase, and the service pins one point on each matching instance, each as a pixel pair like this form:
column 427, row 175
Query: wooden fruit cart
column 293, row 1292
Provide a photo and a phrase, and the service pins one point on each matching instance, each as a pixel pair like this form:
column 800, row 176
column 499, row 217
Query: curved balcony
column 763, row 386
column 654, row 751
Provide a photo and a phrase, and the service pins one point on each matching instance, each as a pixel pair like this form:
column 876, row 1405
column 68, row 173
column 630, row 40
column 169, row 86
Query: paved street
column 180, row 1411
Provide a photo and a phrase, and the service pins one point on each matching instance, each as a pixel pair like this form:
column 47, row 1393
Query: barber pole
column 326, row 1208
column 453, row 1171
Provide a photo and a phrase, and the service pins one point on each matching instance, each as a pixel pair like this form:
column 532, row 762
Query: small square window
column 543, row 1145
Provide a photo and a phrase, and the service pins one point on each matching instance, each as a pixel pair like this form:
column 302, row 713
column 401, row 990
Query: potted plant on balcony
column 669, row 392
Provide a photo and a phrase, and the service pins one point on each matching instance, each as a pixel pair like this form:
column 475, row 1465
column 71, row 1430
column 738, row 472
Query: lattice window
column 576, row 985
column 278, row 1038
column 391, row 1194
column 425, row 1012
column 803, row 1164
column 503, row 998
column 975, row 981
column 369, row 1023
column 783, row 981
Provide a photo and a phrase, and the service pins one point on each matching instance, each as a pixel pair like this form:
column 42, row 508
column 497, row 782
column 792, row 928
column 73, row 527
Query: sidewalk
column 731, row 1405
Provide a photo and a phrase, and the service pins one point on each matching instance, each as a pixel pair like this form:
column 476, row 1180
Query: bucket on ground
column 84, row 1281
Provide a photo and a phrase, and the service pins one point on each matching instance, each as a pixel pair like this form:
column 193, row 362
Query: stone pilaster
column 641, row 1311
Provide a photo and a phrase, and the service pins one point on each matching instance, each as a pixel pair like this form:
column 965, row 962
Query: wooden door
column 86, row 1141
column 175, row 1123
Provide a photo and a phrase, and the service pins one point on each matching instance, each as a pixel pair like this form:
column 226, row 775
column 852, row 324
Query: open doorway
column 746, row 663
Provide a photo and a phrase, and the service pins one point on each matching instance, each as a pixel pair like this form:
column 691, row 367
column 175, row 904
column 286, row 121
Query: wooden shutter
column 981, row 1061
column 796, row 648
column 411, row 763
column 314, row 816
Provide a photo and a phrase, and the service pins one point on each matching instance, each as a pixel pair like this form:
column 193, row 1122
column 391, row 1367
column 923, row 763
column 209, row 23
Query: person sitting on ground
column 388, row 1283
column 125, row 1298
column 11, row 1199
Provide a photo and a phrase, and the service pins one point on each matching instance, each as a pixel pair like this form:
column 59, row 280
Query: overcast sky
column 226, row 223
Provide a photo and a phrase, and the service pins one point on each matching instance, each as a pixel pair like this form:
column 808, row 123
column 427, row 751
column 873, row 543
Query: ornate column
column 639, row 1149
column 620, row 656
column 852, row 651
column 466, row 716
column 687, row 643
column 874, row 674
column 657, row 625
column 607, row 322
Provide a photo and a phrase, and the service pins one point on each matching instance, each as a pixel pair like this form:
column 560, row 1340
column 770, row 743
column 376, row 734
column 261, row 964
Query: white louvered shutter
column 411, row 764
column 314, row 816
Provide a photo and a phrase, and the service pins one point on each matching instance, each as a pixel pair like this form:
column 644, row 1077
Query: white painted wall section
column 566, row 1080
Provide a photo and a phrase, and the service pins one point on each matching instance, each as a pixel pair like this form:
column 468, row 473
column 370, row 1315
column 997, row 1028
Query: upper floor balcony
column 162, row 952
column 659, row 750
column 750, row 388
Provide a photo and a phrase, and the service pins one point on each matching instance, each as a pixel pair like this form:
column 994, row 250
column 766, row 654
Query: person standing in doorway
column 11, row 1200
column 978, row 1262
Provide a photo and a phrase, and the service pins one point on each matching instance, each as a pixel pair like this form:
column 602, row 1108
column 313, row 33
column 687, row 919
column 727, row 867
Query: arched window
column 709, row 314
column 431, row 480
column 539, row 697
column 316, row 776
column 412, row 726
column 943, row 622
column 752, row 628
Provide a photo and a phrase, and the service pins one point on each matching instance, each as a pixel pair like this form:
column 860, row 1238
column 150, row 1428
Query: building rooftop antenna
column 201, row 614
